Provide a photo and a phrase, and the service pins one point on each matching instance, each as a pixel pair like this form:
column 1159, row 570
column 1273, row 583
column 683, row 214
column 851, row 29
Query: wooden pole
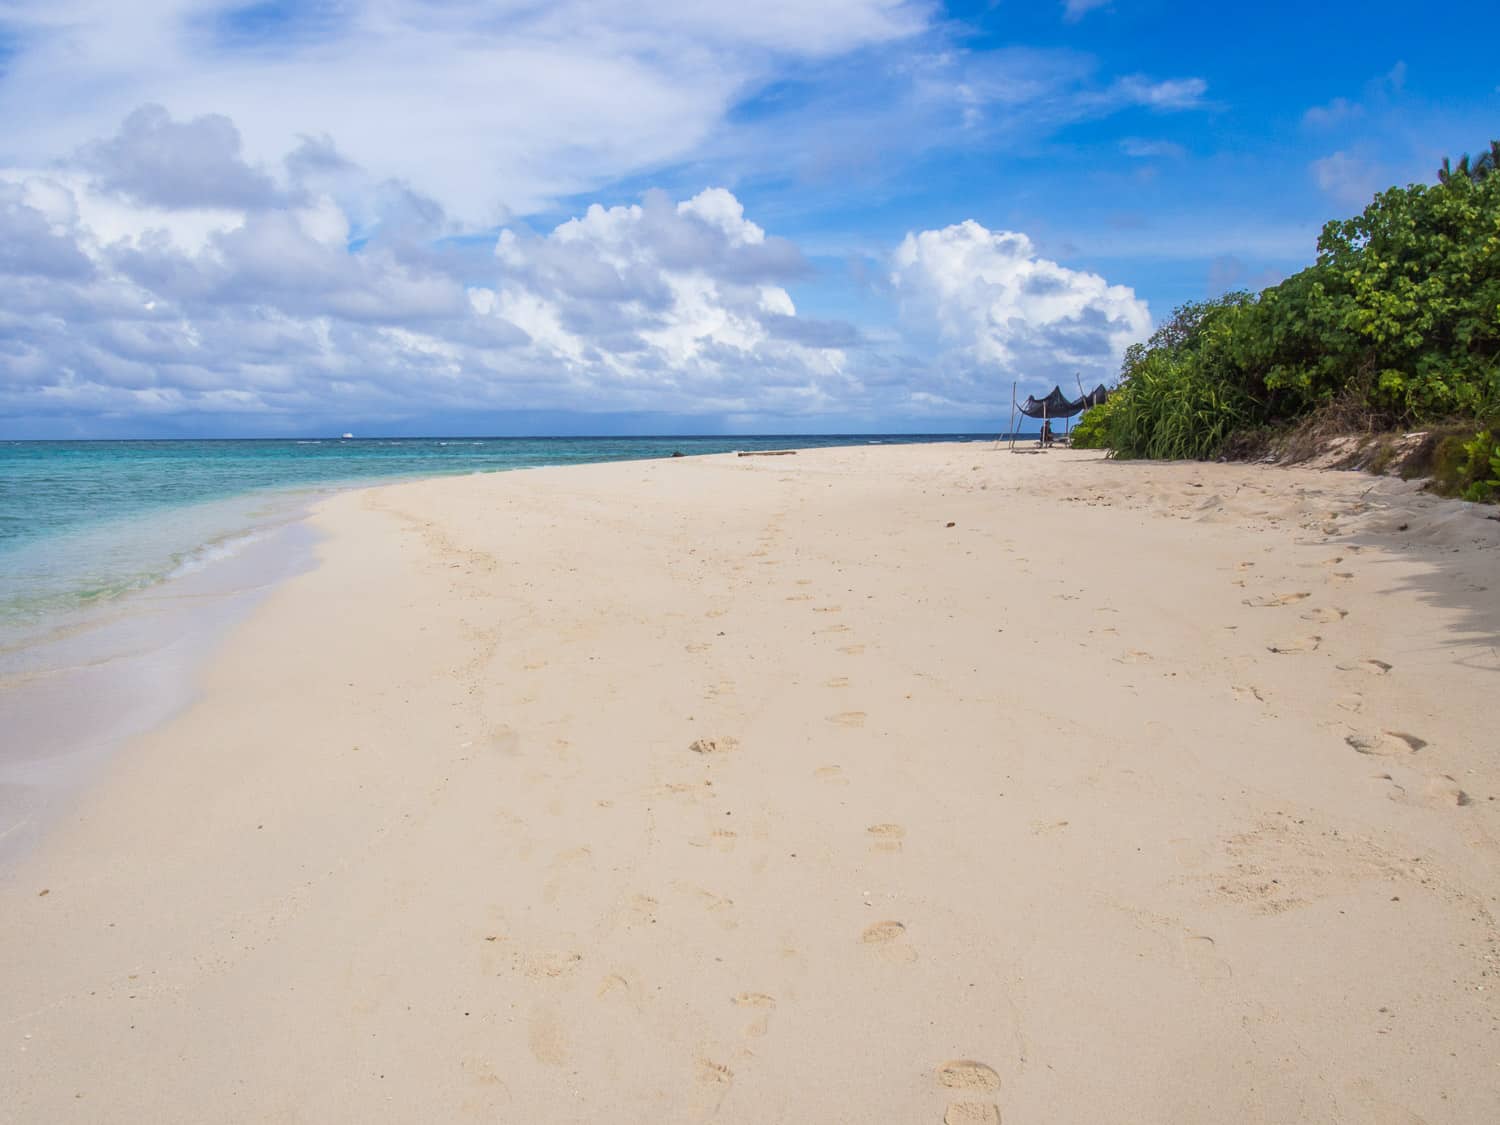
column 1012, row 431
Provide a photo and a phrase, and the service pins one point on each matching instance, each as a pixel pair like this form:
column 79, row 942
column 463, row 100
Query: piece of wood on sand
column 765, row 452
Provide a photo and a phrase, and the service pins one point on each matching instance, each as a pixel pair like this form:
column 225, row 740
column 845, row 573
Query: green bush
column 1175, row 410
column 1470, row 469
column 1398, row 320
column 1182, row 394
column 1092, row 430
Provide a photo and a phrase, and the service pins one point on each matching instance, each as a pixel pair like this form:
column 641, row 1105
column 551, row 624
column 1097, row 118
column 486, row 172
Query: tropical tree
column 1398, row 316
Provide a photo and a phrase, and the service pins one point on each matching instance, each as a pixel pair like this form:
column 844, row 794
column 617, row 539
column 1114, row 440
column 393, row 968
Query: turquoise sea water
column 84, row 522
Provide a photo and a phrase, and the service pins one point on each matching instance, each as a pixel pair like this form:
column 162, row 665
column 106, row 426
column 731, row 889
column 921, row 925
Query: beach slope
column 926, row 783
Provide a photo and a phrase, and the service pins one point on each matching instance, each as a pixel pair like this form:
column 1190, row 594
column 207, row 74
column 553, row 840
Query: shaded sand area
column 887, row 784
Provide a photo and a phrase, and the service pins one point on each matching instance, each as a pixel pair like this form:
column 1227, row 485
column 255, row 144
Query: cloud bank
column 158, row 276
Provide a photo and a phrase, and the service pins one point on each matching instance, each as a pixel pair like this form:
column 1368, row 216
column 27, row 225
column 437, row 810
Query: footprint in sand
column 1296, row 646
column 1268, row 601
column 760, row 1003
column 828, row 609
column 1324, row 614
column 721, row 745
column 504, row 740
column 714, row 1074
column 1201, row 959
column 886, row 837
column 1441, row 792
column 1246, row 692
column 697, row 646
column 1134, row 656
column 544, row 1035
column 966, row 1074
column 852, row 650
column 837, row 682
column 834, row 775
column 888, row 940
column 799, row 597
column 622, row 985
column 1374, row 667
column 550, row 966
column 642, row 910
column 724, row 839
column 848, row 719
column 719, row 906
column 971, row 1113
column 975, row 1079
column 1385, row 743
column 692, row 792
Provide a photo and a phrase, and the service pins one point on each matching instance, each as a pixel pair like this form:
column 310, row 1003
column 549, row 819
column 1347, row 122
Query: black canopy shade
column 1057, row 405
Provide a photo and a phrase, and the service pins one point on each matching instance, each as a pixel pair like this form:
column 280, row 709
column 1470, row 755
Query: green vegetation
column 1092, row 429
column 1397, row 323
column 1470, row 469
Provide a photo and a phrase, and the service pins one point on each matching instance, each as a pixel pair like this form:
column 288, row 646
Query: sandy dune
column 888, row 784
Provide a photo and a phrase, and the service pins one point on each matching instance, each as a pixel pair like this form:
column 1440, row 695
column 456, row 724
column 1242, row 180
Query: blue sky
column 441, row 215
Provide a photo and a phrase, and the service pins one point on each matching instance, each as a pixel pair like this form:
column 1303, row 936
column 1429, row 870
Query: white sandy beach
column 887, row 784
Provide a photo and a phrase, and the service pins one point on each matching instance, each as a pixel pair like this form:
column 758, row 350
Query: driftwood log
column 765, row 452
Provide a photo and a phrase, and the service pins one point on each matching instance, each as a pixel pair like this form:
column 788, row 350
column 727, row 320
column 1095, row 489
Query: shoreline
column 135, row 656
column 75, row 696
column 862, row 784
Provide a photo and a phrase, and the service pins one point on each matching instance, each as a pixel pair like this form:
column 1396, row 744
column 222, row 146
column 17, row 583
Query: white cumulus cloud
column 996, row 311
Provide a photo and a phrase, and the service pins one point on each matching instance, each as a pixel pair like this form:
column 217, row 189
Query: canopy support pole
column 1011, row 432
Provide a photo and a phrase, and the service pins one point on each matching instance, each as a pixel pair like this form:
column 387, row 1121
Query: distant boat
column 346, row 436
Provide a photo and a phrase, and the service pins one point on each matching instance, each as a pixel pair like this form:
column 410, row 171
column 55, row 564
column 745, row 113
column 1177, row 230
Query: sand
column 902, row 784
